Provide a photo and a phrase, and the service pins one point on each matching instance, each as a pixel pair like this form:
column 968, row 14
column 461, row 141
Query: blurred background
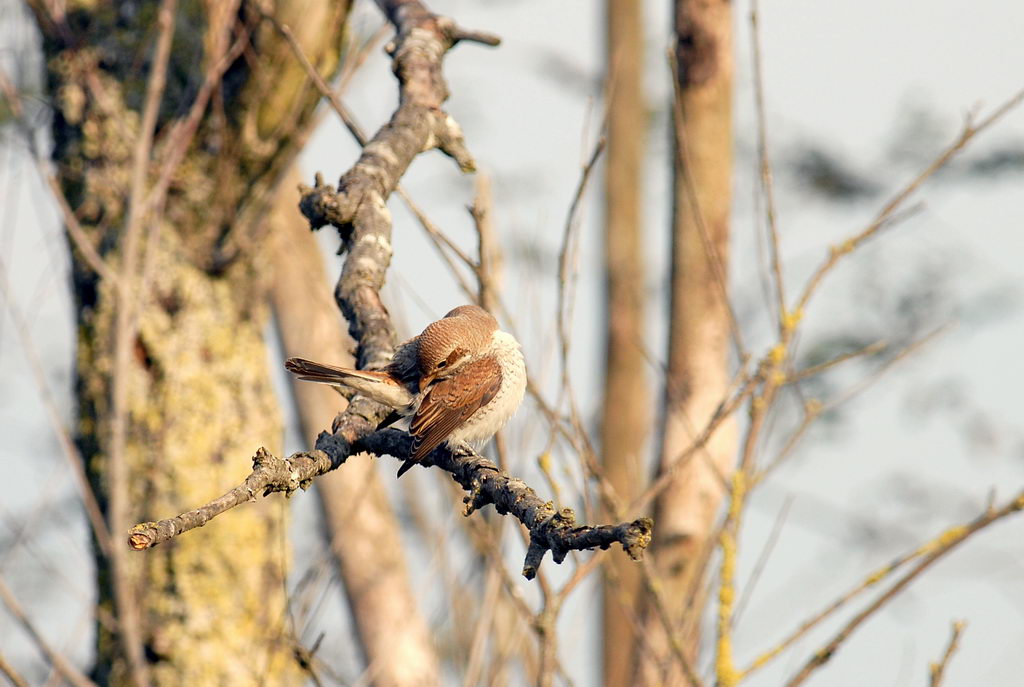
column 859, row 99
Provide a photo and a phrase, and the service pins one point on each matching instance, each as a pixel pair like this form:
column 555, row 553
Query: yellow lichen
column 725, row 669
column 877, row 576
column 544, row 461
column 739, row 492
column 948, row 537
column 843, row 248
column 765, row 657
column 791, row 318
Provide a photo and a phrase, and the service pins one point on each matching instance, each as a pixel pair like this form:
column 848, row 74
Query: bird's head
column 460, row 336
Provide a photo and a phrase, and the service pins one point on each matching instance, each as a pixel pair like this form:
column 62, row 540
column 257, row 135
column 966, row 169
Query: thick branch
column 550, row 529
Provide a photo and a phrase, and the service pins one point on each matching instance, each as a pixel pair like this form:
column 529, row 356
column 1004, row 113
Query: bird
column 459, row 381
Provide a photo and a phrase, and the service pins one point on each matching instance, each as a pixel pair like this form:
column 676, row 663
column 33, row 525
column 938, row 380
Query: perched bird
column 460, row 381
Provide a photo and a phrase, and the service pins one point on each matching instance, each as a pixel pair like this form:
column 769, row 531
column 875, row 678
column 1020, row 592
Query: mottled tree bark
column 364, row 532
column 626, row 410
column 699, row 326
column 196, row 390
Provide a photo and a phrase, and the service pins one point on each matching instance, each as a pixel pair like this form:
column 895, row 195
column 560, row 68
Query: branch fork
column 357, row 207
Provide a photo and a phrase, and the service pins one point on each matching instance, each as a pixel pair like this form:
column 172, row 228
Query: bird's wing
column 451, row 401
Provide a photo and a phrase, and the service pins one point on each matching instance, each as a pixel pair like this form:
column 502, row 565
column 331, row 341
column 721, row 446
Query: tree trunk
column 364, row 533
column 699, row 326
column 625, row 415
column 173, row 421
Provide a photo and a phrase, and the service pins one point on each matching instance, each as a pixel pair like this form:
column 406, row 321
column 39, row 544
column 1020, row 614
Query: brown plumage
column 460, row 380
column 448, row 403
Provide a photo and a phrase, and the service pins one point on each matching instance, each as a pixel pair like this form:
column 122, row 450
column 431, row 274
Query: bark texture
column 626, row 410
column 197, row 390
column 365, row 537
column 699, row 327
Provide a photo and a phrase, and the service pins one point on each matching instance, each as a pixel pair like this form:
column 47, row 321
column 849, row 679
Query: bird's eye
column 442, row 364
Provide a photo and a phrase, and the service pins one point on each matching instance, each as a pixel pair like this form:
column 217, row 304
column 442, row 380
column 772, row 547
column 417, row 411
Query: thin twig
column 814, row 408
column 762, row 560
column 933, row 551
column 11, row 674
column 767, row 185
column 661, row 606
column 725, row 669
column 74, row 228
column 63, row 666
column 771, row 376
column 814, row 370
column 566, row 255
column 482, row 627
column 566, row 288
column 910, row 349
column 748, row 385
column 89, row 502
column 130, row 635
column 969, row 131
column 354, row 61
column 937, row 671
column 183, row 131
column 488, row 270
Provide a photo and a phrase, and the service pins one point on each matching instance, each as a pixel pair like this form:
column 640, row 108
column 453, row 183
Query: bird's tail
column 380, row 386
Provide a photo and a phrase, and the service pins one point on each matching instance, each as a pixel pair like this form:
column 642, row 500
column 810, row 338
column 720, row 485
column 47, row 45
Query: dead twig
column 89, row 502
column 130, row 634
column 78, row 237
column 8, row 671
column 767, row 184
column 937, row 671
column 488, row 267
column 61, row 664
column 883, row 218
column 550, row 529
column 930, row 553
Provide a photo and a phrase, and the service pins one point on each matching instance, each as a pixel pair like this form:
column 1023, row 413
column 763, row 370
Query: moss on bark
column 200, row 401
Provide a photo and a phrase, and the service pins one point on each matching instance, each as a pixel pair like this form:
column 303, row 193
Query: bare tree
column 626, row 409
column 697, row 378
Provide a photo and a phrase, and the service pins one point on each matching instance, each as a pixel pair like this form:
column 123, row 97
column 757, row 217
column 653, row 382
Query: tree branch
column 937, row 671
column 357, row 209
column 931, row 552
column 550, row 529
column 66, row 669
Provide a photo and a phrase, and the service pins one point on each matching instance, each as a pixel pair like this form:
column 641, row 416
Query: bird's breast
column 482, row 425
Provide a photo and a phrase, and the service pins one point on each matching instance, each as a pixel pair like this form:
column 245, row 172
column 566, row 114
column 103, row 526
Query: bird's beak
column 425, row 381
